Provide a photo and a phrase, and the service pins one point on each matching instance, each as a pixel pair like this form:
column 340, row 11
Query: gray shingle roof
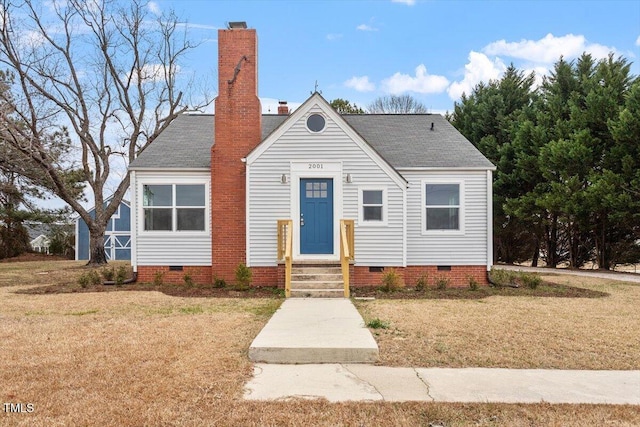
column 405, row 141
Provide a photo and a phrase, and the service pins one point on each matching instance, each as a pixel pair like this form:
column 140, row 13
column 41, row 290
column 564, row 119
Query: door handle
column 301, row 220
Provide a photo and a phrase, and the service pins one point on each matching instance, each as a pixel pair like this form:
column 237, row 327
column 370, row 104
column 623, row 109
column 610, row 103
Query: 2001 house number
column 316, row 166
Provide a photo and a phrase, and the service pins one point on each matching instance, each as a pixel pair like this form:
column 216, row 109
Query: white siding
column 269, row 199
column 170, row 248
column 468, row 248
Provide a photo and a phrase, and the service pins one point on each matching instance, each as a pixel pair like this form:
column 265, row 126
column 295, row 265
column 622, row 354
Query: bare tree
column 105, row 70
column 396, row 104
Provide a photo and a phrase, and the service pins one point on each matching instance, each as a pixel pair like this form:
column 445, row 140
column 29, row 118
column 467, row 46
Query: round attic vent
column 315, row 123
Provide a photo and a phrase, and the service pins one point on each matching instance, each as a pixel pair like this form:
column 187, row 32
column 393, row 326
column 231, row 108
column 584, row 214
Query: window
column 315, row 123
column 316, row 190
column 442, row 207
column 174, row 207
column 373, row 206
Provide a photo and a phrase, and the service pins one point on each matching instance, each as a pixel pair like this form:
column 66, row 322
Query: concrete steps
column 317, row 281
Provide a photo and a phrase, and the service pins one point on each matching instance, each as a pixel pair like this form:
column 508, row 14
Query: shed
column 117, row 237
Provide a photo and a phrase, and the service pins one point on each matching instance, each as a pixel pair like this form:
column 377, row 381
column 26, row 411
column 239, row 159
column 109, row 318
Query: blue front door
column 316, row 216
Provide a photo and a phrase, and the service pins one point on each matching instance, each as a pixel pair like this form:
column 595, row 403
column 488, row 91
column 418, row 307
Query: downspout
column 489, row 224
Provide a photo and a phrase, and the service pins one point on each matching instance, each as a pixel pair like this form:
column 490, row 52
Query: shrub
column 473, row 283
column 91, row 277
column 108, row 273
column 219, row 283
column 441, row 282
column 390, row 281
column 94, row 278
column 421, row 283
column 187, row 279
column 377, row 324
column 121, row 275
column 531, row 281
column 243, row 277
column 84, row 280
column 278, row 292
column 502, row 278
column 158, row 278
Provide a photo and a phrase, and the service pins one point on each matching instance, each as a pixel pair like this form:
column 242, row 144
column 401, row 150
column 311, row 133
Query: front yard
column 514, row 332
column 147, row 358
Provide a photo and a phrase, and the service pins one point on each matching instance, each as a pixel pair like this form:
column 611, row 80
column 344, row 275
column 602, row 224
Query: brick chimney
column 283, row 108
column 237, row 131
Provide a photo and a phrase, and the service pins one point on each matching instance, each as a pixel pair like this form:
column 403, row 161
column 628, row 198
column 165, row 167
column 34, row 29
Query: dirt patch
column 547, row 289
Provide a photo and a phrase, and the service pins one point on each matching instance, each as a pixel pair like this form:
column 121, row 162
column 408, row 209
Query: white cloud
column 334, row 36
column 638, row 41
column 548, row 49
column 539, row 73
column 407, row 2
column 479, row 69
column 154, row 8
column 190, row 25
column 366, row 27
column 422, row 82
column 153, row 73
column 361, row 84
column 32, row 39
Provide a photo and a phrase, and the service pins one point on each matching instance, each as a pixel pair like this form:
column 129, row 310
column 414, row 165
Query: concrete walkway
column 315, row 330
column 344, row 382
column 612, row 275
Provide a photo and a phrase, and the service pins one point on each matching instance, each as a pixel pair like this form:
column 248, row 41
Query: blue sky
column 433, row 50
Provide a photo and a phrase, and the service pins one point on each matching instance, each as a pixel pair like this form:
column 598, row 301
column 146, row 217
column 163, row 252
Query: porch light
column 349, row 179
column 283, row 179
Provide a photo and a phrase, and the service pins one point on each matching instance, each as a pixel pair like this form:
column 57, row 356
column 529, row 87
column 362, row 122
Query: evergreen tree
column 567, row 183
column 343, row 106
column 488, row 117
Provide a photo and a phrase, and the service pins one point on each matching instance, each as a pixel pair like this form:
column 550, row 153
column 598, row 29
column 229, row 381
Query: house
column 407, row 192
column 39, row 239
column 40, row 244
column 117, row 236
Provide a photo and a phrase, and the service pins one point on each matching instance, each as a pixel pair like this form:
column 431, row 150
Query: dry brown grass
column 42, row 273
column 145, row 358
column 508, row 332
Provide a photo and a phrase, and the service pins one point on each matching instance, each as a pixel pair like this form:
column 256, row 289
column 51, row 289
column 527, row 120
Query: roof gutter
column 168, row 169
column 445, row 168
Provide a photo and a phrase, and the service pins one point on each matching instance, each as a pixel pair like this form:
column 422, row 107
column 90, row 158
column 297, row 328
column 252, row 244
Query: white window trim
column 423, row 208
column 385, row 205
column 173, row 207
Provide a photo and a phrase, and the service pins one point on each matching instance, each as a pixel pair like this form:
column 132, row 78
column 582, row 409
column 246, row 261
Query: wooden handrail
column 285, row 251
column 282, row 237
column 288, row 259
column 346, row 250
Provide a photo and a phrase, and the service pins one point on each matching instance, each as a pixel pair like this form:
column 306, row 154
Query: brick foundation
column 200, row 275
column 360, row 276
column 458, row 275
column 268, row 276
